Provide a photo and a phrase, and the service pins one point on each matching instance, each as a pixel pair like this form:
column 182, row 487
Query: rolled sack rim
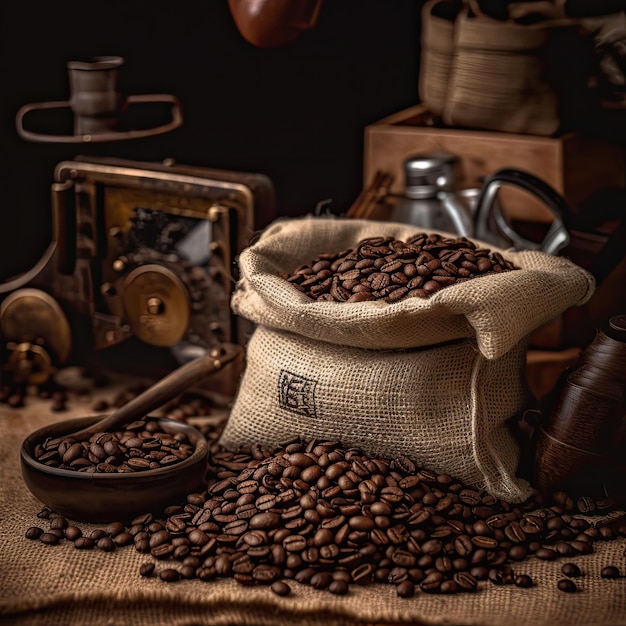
column 264, row 297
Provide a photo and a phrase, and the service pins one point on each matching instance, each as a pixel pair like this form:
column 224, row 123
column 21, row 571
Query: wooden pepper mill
column 579, row 437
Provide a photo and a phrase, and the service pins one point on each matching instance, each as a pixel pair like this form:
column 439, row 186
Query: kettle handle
column 488, row 211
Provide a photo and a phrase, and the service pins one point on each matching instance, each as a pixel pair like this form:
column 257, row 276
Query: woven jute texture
column 436, row 58
column 506, row 77
column 446, row 407
column 59, row 585
column 435, row 379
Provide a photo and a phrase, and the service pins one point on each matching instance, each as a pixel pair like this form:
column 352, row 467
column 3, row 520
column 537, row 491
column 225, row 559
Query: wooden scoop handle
column 164, row 390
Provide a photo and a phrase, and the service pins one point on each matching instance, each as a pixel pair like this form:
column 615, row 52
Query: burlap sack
column 530, row 79
column 435, row 379
column 437, row 52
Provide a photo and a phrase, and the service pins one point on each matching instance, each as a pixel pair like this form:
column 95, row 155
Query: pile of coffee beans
column 332, row 517
column 138, row 447
column 388, row 269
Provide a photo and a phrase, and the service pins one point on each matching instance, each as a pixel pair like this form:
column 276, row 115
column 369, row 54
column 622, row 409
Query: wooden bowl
column 102, row 497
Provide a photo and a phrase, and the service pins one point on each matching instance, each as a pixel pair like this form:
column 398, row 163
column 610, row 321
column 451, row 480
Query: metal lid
column 617, row 324
column 426, row 174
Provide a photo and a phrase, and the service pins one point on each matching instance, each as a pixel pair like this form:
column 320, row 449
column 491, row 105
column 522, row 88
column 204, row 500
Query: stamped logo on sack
column 296, row 393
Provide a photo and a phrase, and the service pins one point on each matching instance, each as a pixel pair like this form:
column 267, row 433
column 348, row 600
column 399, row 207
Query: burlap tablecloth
column 63, row 586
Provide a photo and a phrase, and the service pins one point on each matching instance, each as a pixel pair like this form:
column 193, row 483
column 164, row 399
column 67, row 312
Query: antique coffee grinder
column 101, row 113
column 140, row 269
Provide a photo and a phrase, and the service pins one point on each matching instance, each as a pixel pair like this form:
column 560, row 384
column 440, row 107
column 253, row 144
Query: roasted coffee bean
column 321, row 580
column 206, row 573
column 72, row 533
column 514, row 532
column 114, row 529
column 159, row 537
column 34, row 532
column 567, row 585
column 571, row 569
column 142, row 520
column 479, row 572
column 405, row 589
column 523, row 580
column 517, row 552
column 180, row 552
column 487, row 543
column 465, row 581
column 84, row 543
column 581, row 547
column 449, row 587
column 146, row 569
column 362, row 574
column 469, row 496
column 44, row 513
column 338, row 587
column 188, row 572
column 58, row 523
column 564, row 549
column 432, row 582
column 280, row 588
column 531, row 524
column 498, row 576
column 98, row 533
column 105, row 544
column 294, row 543
column 546, row 554
column 142, row 545
column 49, row 539
column 610, row 571
column 463, row 545
column 264, row 521
column 586, row 505
column 162, row 551
column 304, row 575
column 432, row 547
column 236, row 527
column 169, row 575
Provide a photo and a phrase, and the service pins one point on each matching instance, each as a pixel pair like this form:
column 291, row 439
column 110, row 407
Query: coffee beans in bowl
column 114, row 475
column 140, row 446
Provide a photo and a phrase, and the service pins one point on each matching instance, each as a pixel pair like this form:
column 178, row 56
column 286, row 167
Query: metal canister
column 426, row 177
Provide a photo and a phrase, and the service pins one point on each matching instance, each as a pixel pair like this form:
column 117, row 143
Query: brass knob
column 155, row 306
column 107, row 289
column 119, row 265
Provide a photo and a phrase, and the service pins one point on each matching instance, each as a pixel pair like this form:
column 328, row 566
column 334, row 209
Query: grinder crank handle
column 487, row 209
column 162, row 391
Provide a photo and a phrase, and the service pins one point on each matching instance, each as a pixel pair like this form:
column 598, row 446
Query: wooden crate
column 574, row 165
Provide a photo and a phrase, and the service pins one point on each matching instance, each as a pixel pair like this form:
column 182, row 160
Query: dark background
column 296, row 113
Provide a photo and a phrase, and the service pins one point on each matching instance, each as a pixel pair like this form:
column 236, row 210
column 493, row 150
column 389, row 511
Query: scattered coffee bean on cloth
column 179, row 567
column 315, row 517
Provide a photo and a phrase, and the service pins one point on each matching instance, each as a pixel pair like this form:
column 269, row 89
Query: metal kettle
column 433, row 200
column 430, row 198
